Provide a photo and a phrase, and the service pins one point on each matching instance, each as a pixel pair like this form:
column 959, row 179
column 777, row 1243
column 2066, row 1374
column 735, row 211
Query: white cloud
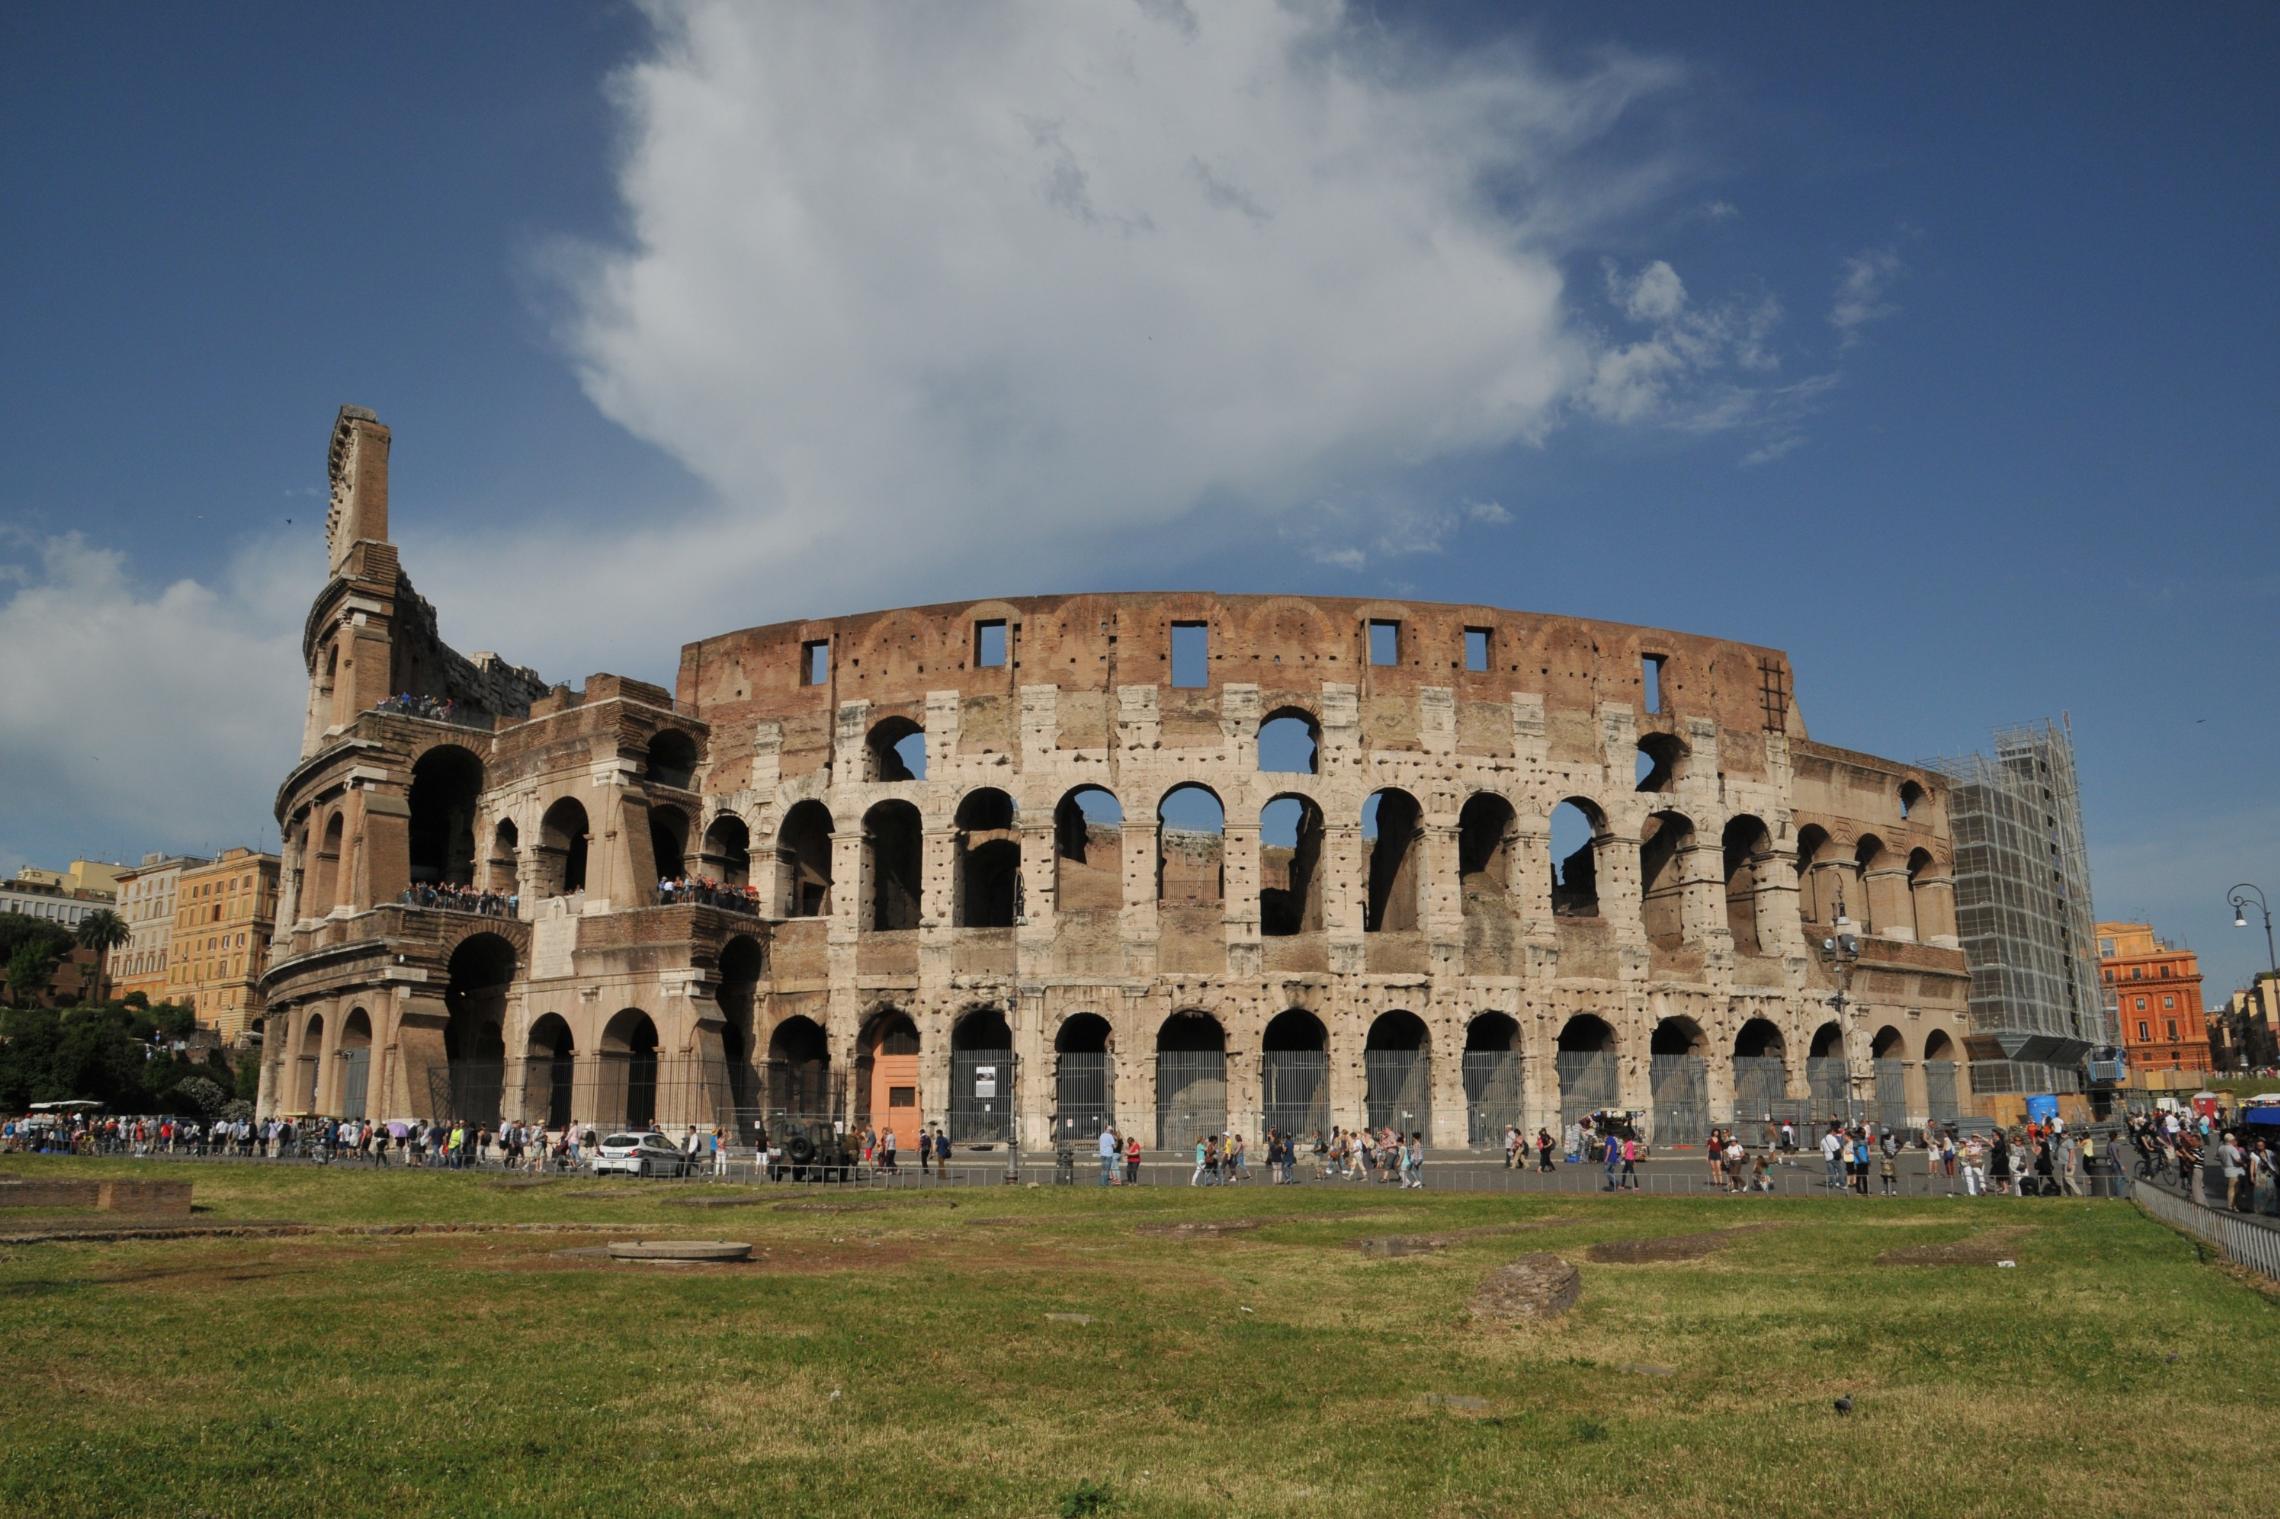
column 169, row 711
column 1681, row 373
column 1494, row 513
column 1862, row 284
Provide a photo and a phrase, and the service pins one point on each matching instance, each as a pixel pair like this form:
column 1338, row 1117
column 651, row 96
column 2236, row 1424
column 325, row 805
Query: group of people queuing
column 706, row 892
column 2223, row 1167
column 454, row 897
column 112, row 1134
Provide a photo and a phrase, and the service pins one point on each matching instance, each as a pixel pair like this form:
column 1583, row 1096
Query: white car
column 640, row 1155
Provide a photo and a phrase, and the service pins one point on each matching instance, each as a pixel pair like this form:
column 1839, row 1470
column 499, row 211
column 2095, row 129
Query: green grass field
column 901, row 1358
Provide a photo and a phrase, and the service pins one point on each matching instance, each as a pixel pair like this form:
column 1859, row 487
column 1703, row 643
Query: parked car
column 639, row 1155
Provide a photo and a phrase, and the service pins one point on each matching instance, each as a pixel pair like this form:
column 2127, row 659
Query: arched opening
column 981, row 1078
column 1397, row 1071
column 897, row 747
column 1492, row 1079
column 893, row 864
column 499, row 871
column 308, row 1087
column 1745, row 848
column 886, row 1075
column 1825, row 1074
column 669, row 841
column 988, row 882
column 628, row 1095
column 1923, row 913
column 1294, row 1075
column 1664, row 844
column 1088, row 852
column 355, row 1062
column 478, row 975
column 671, row 760
column 803, row 850
column 1910, row 795
column 1940, row 1095
column 727, row 852
column 1661, row 761
column 1585, row 1062
column 1761, row 1074
column 1084, row 1077
column 550, row 1071
column 1888, row 1057
column 1191, row 840
column 796, row 1090
column 325, row 883
column 445, row 784
column 1485, row 829
column 1191, row 1079
column 741, row 962
column 1393, row 829
column 1577, row 829
column 1816, row 903
column 1678, row 1076
column 562, row 850
column 1290, row 743
column 1867, row 909
column 1290, row 867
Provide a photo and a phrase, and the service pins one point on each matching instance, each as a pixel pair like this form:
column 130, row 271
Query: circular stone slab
column 679, row 1250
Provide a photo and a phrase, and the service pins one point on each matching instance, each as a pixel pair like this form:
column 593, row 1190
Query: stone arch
column 1761, row 1072
column 986, row 889
column 1393, row 829
column 726, row 854
column 983, row 1088
column 1661, row 762
column 1942, row 1070
column 1486, row 828
column 550, row 1072
column 1816, row 898
column 562, row 847
column 1084, row 1076
column 1088, row 851
column 629, row 1067
column 1746, row 848
column 1294, row 1074
column 1191, row 1078
column 1665, row 842
column 1290, row 742
column 1494, row 1088
column 1828, row 1075
column 1291, row 835
column 308, row 1085
column 668, row 841
column 355, row 1056
column 742, row 962
column 1871, row 905
column 670, row 760
column 1588, row 1050
column 1678, row 1077
column 447, row 786
column 796, row 1095
column 500, row 872
column 803, row 852
column 1191, row 847
column 1577, row 821
column 887, row 1073
column 896, row 747
column 1911, row 797
column 1397, row 1070
column 1929, row 898
column 893, row 866
column 1890, row 1069
column 478, row 976
column 325, row 886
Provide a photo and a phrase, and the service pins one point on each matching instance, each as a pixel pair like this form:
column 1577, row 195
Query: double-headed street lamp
column 1840, row 952
column 2240, row 898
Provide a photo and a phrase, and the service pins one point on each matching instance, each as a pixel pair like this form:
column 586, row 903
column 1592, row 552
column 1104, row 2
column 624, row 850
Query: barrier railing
column 2245, row 1239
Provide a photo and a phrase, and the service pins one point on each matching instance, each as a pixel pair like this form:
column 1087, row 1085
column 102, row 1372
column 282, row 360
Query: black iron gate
column 1831, row 1089
column 1680, row 1112
column 1492, row 1096
column 1761, row 1090
column 981, row 1096
column 1191, row 1096
column 1939, row 1090
column 1587, row 1082
column 355, row 1077
column 1084, row 1094
column 1295, row 1091
column 1398, row 1090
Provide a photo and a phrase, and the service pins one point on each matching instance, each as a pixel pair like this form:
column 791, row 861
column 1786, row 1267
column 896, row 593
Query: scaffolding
column 2023, row 912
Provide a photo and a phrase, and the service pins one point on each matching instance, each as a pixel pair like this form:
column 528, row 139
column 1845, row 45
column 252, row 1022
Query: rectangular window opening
column 815, row 662
column 989, row 645
column 1476, row 648
column 1191, row 654
column 1385, row 643
column 1650, row 678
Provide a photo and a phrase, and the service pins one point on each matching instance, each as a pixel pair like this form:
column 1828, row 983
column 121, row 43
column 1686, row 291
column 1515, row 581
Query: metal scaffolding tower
column 2022, row 895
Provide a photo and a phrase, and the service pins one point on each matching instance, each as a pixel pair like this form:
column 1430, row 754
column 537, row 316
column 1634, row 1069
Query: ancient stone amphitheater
column 1187, row 862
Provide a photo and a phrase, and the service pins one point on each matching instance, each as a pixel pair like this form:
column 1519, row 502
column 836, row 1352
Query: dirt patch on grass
column 717, row 1202
column 803, row 1206
column 1205, row 1228
column 1982, row 1249
column 1388, row 1245
column 1673, row 1247
column 1536, row 1286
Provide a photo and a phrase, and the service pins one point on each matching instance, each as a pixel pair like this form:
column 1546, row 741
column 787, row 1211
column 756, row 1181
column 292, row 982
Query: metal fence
column 1587, row 1082
column 1084, row 1093
column 1939, row 1091
column 1397, row 1090
column 1295, row 1091
column 1889, row 1108
column 1830, row 1086
column 355, row 1081
column 1191, row 1096
column 2242, row 1238
column 1493, row 1096
column 1681, row 1098
column 1761, row 1090
column 981, row 1095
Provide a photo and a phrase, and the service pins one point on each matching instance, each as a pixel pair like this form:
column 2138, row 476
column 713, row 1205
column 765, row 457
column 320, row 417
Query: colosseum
column 1186, row 862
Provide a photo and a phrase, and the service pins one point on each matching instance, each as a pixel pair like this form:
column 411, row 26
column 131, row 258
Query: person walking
column 1832, row 1159
column 1544, row 1152
column 1629, row 1149
column 1202, row 1159
column 1109, row 1150
column 1888, row 1165
column 1613, row 1159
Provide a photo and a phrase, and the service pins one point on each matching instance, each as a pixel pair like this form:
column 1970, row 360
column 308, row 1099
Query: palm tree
column 101, row 931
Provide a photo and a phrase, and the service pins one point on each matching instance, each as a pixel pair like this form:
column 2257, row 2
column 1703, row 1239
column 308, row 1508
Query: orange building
column 224, row 911
column 2156, row 989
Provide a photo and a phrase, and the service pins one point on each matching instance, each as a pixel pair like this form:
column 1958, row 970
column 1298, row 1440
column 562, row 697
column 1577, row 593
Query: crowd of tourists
column 2224, row 1167
column 113, row 1135
column 418, row 706
column 706, row 892
column 453, row 897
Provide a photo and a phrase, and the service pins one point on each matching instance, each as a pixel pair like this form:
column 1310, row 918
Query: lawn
column 1004, row 1351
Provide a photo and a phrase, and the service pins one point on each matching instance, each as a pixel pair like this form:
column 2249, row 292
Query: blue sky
column 1932, row 346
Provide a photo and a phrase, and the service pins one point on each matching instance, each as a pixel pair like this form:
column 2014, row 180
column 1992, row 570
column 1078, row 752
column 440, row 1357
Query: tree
column 102, row 931
column 29, row 948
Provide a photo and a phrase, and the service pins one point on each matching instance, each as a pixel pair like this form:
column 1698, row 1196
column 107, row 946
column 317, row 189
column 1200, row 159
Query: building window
column 1476, row 648
column 2145, row 1032
column 2173, row 1031
column 1191, row 654
column 2167, row 1003
column 2106, row 949
column 989, row 644
column 1651, row 681
column 815, row 662
column 1385, row 642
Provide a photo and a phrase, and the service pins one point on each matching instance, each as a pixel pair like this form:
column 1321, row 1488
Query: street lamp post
column 2240, row 898
column 1840, row 952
